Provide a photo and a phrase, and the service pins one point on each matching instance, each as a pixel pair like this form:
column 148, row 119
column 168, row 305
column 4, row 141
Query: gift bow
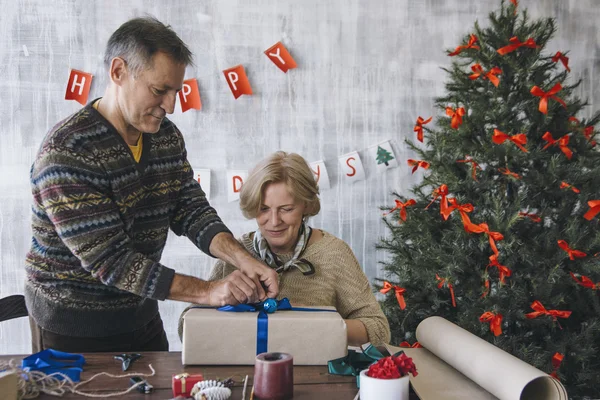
column 556, row 360
column 515, row 44
column 443, row 192
column 541, row 310
column 563, row 59
column 588, row 132
column 417, row 163
column 419, row 127
column 493, row 236
column 491, row 74
column 593, row 211
column 399, row 293
column 503, row 270
column 586, row 282
column 445, row 281
column 550, row 94
column 531, row 216
column 563, row 143
column 402, row 207
column 565, row 185
column 572, row 253
column 495, row 321
column 474, row 166
column 508, row 172
column 456, row 116
column 463, row 209
column 470, row 45
column 519, row 140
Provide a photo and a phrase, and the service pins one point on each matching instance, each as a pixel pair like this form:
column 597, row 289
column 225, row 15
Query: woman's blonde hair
column 289, row 168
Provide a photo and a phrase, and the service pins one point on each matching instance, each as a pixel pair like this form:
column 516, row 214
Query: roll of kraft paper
column 274, row 376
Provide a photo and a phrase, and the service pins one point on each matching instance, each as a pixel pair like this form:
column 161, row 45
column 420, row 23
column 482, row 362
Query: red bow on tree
column 441, row 284
column 550, row 94
column 463, row 209
column 419, row 127
column 586, row 282
column 508, row 172
column 503, row 270
column 588, row 132
column 531, row 216
column 415, row 345
column 515, row 44
column 562, row 58
column 399, row 293
column 474, row 166
column 470, row 45
column 402, row 207
column 443, row 192
column 456, row 116
column 556, row 360
column 495, row 321
column 541, row 310
column 500, row 137
column 563, row 143
column 417, row 163
column 491, row 74
column 572, row 253
column 493, row 236
column 565, row 185
column 593, row 211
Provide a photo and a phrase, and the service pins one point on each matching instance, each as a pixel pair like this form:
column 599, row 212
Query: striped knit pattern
column 100, row 223
column 338, row 281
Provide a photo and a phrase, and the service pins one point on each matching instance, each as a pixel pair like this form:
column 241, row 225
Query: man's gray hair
column 137, row 40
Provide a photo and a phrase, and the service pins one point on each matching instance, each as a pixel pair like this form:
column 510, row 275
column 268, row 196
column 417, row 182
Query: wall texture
column 367, row 69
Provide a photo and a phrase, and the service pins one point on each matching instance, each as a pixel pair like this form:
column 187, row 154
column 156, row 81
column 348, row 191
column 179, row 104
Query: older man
column 108, row 183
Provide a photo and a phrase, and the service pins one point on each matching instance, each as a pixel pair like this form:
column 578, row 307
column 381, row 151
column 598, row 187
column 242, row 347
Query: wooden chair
column 12, row 307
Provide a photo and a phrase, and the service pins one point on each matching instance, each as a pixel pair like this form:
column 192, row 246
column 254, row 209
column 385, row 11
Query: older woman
column 315, row 267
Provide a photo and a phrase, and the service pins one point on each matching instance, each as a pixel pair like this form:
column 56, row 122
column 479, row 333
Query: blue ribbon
column 50, row 361
column 264, row 309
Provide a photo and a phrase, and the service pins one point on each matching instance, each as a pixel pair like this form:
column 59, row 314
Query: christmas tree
column 383, row 156
column 502, row 235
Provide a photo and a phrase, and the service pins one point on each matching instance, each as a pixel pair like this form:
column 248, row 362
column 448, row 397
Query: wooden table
column 310, row 382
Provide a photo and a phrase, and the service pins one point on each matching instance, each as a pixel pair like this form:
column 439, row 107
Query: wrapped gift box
column 182, row 384
column 229, row 338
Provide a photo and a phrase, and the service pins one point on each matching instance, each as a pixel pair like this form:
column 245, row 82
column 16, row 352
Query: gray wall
column 367, row 69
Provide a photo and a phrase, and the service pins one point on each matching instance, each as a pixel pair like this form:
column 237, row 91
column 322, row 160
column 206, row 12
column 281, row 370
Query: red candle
column 274, row 376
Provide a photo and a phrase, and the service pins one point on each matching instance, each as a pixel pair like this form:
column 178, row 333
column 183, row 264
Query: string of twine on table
column 31, row 384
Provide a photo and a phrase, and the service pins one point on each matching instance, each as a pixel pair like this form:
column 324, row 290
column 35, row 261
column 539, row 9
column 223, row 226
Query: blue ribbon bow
column 50, row 361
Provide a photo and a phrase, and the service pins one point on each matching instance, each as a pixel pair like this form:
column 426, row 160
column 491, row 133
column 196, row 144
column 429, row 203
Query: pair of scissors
column 51, row 361
column 127, row 359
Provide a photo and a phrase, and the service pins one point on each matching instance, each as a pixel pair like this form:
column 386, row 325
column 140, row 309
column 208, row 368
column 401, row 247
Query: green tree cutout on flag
column 383, row 156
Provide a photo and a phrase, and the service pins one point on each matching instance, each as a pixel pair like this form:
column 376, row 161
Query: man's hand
column 235, row 288
column 263, row 276
column 225, row 247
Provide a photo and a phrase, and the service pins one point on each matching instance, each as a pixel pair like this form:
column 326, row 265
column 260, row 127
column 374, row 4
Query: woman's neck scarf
column 262, row 248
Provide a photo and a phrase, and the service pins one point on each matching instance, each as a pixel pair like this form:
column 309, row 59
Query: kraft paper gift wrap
column 212, row 337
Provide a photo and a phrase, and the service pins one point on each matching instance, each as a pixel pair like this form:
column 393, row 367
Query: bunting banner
column 280, row 57
column 238, row 81
column 235, row 180
column 78, row 86
column 320, row 172
column 352, row 167
column 202, row 176
column 383, row 153
column 189, row 96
